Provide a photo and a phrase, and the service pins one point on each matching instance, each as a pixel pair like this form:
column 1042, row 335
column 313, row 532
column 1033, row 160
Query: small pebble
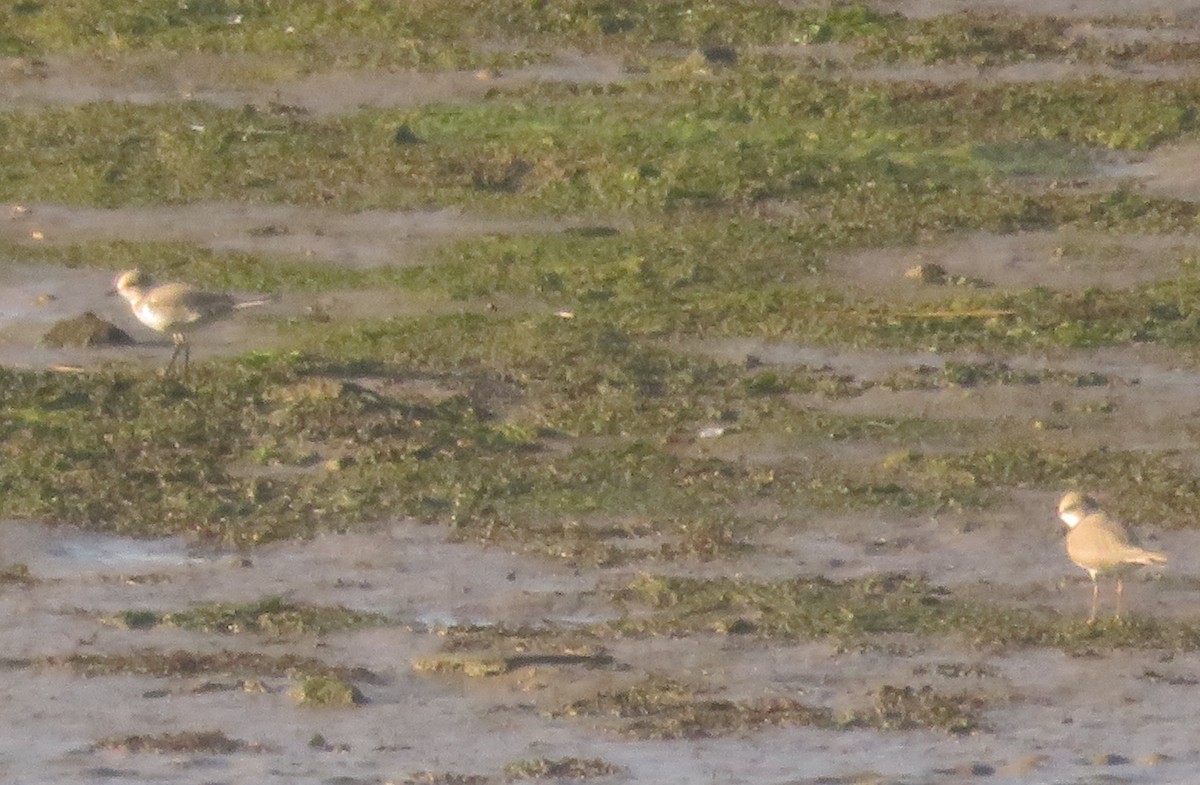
column 405, row 135
column 1024, row 766
column 737, row 627
column 720, row 55
column 972, row 769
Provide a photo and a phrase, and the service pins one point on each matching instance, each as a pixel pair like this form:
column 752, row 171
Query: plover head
column 130, row 283
column 1074, row 507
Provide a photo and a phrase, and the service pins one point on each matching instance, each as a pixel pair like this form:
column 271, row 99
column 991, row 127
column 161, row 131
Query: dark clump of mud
column 84, row 331
column 560, row 769
column 210, row 742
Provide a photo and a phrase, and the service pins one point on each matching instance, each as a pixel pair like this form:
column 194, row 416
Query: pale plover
column 1101, row 544
column 176, row 307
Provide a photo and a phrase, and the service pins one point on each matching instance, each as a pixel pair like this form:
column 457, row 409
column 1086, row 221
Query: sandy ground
column 220, row 80
column 372, row 238
column 1054, row 723
column 1122, row 718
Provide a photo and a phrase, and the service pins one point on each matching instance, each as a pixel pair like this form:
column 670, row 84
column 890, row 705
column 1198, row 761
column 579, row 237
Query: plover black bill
column 176, row 308
column 1101, row 544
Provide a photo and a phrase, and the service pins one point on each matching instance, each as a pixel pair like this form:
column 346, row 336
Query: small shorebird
column 176, row 307
column 1101, row 544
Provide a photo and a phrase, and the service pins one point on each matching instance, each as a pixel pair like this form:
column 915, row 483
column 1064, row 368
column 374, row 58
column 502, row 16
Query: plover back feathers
column 1102, row 544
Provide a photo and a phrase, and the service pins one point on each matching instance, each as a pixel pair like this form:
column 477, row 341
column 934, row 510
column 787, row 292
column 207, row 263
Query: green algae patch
column 668, row 278
column 477, row 665
column 559, row 769
column 326, row 691
column 906, row 708
column 859, row 611
column 147, row 455
column 444, row 778
column 427, row 34
column 135, row 620
column 158, row 663
column 660, row 708
column 283, row 445
column 495, row 650
column 183, row 743
column 222, row 270
column 985, row 39
column 871, row 157
column 1145, row 487
column 272, row 616
column 665, row 709
column 291, row 37
column 474, row 666
column 979, row 374
column 17, row 574
column 741, row 182
column 415, row 34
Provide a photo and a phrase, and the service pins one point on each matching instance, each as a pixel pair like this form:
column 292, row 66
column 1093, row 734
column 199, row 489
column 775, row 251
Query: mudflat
column 662, row 393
